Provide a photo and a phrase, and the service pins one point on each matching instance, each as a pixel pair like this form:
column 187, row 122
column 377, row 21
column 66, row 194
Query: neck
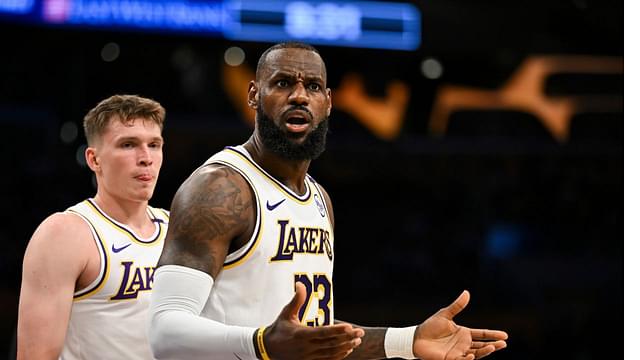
column 289, row 172
column 130, row 213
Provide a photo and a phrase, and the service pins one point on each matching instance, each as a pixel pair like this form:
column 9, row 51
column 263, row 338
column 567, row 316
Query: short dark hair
column 285, row 45
column 123, row 108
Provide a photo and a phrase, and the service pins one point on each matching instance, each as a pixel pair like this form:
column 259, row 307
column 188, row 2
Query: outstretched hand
column 439, row 337
column 287, row 338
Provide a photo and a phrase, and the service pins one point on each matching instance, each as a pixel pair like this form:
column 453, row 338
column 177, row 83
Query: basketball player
column 88, row 271
column 247, row 269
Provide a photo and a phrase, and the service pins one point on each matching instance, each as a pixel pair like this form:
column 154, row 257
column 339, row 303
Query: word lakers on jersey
column 108, row 316
column 291, row 242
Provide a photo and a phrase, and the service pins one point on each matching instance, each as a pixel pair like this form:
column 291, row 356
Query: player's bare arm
column 372, row 346
column 59, row 259
column 212, row 211
column 484, row 343
column 438, row 338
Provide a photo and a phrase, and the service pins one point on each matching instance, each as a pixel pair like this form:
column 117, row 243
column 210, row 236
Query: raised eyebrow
column 282, row 74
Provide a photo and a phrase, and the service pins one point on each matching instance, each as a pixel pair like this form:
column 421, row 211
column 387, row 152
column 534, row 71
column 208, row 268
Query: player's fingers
column 486, row 334
column 484, row 351
column 332, row 340
column 330, row 331
column 337, row 330
column 464, row 357
column 290, row 311
column 458, row 305
column 460, row 344
column 500, row 344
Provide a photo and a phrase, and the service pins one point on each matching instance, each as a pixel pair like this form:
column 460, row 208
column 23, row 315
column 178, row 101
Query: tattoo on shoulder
column 209, row 210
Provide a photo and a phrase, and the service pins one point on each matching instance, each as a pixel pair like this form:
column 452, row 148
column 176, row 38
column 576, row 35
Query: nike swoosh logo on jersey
column 271, row 207
column 117, row 250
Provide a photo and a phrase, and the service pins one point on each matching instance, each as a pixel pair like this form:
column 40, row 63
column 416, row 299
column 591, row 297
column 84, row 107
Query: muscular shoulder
column 213, row 188
column 212, row 207
column 62, row 229
column 62, row 238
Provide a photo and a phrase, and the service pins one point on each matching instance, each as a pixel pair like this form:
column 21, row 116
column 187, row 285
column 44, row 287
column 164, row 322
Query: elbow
column 159, row 337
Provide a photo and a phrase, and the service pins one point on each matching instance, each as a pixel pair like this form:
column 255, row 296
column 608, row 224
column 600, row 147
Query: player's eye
column 314, row 87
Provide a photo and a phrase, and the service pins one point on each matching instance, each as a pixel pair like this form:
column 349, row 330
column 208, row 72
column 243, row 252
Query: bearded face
column 288, row 145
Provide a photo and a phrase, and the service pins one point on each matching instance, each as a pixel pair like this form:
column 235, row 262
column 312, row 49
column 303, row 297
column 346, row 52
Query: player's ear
column 253, row 95
column 329, row 100
column 91, row 157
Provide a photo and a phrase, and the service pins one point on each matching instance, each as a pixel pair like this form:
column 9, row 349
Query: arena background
column 503, row 200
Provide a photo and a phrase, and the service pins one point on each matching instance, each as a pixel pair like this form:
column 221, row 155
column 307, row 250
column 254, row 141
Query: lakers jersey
column 108, row 316
column 292, row 242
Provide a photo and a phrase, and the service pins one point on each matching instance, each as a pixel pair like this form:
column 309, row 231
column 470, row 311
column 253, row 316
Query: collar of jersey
column 124, row 228
column 244, row 155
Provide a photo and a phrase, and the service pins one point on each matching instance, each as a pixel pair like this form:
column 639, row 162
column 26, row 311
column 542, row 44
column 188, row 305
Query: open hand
column 287, row 338
column 439, row 337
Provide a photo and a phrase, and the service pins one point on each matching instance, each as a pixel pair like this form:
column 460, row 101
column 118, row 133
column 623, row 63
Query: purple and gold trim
column 257, row 231
column 304, row 199
column 125, row 230
column 104, row 266
column 164, row 212
column 161, row 220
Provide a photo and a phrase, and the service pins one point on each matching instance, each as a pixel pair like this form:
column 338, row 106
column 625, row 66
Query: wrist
column 259, row 344
column 255, row 343
column 398, row 342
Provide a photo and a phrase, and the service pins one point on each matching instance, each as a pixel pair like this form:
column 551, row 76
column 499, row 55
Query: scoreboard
column 366, row 24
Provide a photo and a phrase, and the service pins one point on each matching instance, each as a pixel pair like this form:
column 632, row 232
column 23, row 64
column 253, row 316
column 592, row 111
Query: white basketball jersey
column 292, row 241
column 108, row 317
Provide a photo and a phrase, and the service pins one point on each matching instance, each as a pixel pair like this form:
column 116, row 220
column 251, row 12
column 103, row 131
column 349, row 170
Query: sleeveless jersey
column 292, row 242
column 108, row 317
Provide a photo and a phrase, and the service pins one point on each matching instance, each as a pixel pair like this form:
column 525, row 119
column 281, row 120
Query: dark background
column 531, row 226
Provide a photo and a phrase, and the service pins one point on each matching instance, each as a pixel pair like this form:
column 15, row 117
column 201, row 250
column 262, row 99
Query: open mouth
column 297, row 121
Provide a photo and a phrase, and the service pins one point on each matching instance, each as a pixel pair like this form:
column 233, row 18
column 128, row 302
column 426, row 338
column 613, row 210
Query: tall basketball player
column 88, row 271
column 247, row 268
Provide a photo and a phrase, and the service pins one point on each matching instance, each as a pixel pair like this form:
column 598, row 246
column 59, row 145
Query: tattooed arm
column 212, row 209
column 213, row 213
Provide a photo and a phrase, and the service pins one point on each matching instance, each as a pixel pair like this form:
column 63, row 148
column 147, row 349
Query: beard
column 281, row 143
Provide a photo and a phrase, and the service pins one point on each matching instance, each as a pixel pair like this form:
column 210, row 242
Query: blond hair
column 125, row 108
